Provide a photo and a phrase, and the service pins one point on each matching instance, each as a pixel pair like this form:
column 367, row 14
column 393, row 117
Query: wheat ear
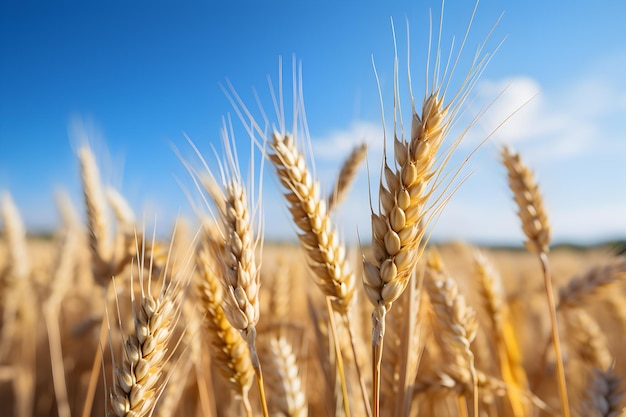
column 583, row 288
column 412, row 190
column 17, row 272
column 507, row 346
column 537, row 230
column 97, row 216
column 229, row 352
column 587, row 339
column 325, row 254
column 456, row 324
column 288, row 397
column 346, row 176
column 237, row 263
column 604, row 395
column 137, row 379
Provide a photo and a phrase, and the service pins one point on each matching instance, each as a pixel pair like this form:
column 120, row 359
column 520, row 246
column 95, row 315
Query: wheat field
column 106, row 318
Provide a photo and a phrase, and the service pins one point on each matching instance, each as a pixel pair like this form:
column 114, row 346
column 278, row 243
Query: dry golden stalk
column 604, row 395
column 230, row 353
column 402, row 354
column 346, row 176
column 287, row 391
column 581, row 289
column 326, row 255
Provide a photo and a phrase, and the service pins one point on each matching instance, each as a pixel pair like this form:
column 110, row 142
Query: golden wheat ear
column 529, row 202
column 139, row 377
column 592, row 284
column 320, row 239
column 414, row 187
column 228, row 349
column 346, row 176
column 238, row 243
column 284, row 376
column 456, row 325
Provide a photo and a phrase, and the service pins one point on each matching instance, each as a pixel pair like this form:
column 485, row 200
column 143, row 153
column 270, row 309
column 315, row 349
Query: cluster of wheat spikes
column 103, row 320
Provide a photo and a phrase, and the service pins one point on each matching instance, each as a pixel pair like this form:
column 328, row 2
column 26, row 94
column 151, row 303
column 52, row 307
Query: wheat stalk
column 537, row 230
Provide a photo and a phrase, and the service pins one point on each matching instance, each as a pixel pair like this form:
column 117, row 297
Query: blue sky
column 139, row 75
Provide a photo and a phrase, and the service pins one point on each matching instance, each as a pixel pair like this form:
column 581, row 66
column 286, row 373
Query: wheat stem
column 555, row 335
column 250, row 338
column 339, row 358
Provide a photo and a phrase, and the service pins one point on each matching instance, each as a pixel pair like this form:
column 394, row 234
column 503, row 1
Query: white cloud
column 551, row 124
column 575, row 126
column 337, row 144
